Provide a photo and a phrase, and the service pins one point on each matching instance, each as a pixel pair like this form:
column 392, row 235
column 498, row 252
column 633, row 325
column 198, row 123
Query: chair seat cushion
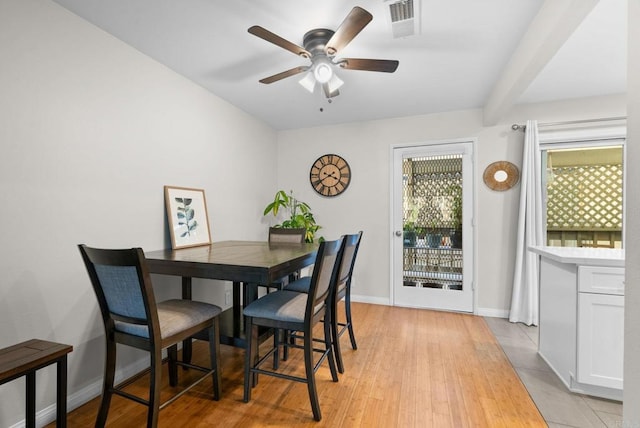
column 283, row 305
column 175, row 315
column 300, row 285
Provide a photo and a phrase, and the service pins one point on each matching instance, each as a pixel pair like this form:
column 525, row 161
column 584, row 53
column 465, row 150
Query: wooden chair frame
column 351, row 246
column 317, row 309
column 342, row 290
column 154, row 344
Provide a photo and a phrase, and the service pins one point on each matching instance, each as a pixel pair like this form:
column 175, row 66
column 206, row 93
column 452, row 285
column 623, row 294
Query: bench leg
column 61, row 394
column 30, row 416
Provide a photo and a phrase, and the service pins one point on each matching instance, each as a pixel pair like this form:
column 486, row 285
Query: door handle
column 398, row 233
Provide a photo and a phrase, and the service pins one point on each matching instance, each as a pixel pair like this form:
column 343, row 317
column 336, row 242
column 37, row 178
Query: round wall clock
column 501, row 175
column 330, row 175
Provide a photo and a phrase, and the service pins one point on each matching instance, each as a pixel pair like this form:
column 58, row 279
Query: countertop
column 613, row 257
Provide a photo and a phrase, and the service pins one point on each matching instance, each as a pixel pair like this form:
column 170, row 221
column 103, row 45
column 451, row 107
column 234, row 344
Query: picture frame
column 187, row 216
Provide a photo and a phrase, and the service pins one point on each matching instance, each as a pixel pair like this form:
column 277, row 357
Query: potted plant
column 300, row 215
column 456, row 215
column 434, row 235
column 410, row 225
column 409, row 234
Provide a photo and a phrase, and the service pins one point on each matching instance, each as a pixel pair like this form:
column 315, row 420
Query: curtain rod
column 517, row 127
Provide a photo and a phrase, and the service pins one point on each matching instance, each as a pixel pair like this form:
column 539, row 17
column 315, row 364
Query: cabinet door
column 600, row 339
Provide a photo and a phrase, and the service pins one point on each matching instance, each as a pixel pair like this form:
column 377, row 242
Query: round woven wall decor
column 501, row 175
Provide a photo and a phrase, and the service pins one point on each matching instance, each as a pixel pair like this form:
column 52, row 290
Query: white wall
column 90, row 131
column 631, row 409
column 365, row 204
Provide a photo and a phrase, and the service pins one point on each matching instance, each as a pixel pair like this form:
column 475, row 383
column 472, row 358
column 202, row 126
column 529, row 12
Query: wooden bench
column 24, row 359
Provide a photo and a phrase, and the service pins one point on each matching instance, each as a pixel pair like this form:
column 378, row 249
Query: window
column 583, row 191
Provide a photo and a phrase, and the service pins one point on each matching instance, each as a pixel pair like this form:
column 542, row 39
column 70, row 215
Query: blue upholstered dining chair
column 300, row 312
column 131, row 316
column 342, row 291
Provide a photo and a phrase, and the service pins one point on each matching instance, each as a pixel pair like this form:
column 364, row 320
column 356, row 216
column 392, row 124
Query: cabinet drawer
column 601, row 280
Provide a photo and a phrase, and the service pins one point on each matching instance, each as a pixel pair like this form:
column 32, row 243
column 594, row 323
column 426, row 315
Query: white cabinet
column 581, row 329
column 600, row 326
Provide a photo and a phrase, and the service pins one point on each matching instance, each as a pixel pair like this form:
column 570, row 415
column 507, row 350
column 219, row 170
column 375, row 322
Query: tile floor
column 559, row 407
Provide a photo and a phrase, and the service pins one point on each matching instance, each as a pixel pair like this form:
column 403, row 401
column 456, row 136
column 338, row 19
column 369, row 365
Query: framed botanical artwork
column 187, row 215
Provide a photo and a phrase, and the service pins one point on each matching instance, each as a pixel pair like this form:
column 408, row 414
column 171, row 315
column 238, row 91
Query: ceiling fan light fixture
column 334, row 83
column 323, row 72
column 320, row 46
column 308, row 81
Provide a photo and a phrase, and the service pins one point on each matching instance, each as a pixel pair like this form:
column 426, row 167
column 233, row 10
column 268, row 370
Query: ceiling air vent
column 404, row 17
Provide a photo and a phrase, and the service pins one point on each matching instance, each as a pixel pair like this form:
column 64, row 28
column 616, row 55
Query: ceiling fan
column 321, row 45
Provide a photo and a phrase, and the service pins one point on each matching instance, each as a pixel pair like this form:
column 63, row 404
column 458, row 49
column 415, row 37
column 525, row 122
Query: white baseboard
column 493, row 313
column 82, row 396
column 368, row 299
column 483, row 312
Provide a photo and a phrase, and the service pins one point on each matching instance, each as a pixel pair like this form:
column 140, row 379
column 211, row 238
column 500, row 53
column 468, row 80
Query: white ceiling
column 453, row 64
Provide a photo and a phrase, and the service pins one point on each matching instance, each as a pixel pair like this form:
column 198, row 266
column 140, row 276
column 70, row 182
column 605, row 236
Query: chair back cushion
column 279, row 235
column 351, row 245
column 122, row 285
column 121, row 288
column 324, row 275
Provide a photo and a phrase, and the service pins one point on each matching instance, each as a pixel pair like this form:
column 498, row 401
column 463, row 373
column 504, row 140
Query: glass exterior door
column 430, row 202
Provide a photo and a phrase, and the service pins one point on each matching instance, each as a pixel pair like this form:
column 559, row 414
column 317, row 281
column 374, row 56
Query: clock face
column 330, row 175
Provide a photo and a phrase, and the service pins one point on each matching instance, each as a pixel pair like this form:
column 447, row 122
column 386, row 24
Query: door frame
column 474, row 208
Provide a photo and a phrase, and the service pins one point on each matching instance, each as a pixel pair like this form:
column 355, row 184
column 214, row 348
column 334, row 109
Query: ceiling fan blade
column 357, row 19
column 284, row 74
column 384, row 65
column 278, row 41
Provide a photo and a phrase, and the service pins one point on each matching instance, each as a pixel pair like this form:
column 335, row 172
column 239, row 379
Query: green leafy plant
column 412, row 212
column 409, row 234
column 300, row 215
column 409, row 226
column 185, row 216
column 455, row 190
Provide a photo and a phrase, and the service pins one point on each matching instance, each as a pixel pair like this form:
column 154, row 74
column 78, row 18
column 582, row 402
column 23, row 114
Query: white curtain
column 524, row 299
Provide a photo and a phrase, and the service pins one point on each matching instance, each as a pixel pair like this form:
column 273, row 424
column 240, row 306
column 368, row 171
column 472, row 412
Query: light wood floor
column 413, row 368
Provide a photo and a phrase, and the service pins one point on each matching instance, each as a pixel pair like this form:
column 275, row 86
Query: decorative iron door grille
column 432, row 222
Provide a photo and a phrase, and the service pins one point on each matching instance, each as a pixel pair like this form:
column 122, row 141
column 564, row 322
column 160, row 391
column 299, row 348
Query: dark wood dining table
column 245, row 263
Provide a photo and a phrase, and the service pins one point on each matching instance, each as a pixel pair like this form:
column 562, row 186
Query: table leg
column 237, row 309
column 61, row 395
column 251, row 292
column 31, row 399
column 244, row 295
column 186, row 294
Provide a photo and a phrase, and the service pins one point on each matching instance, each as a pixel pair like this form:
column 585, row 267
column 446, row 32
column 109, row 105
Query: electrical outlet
column 227, row 297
